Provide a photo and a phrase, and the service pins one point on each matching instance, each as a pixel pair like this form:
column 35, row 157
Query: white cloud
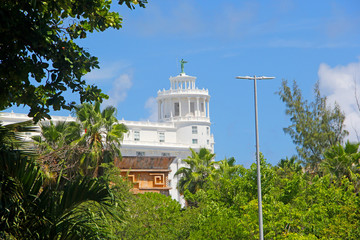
column 107, row 71
column 151, row 106
column 118, row 76
column 339, row 84
column 118, row 92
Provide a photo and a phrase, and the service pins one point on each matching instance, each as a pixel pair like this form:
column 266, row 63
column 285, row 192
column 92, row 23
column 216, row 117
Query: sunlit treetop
column 39, row 59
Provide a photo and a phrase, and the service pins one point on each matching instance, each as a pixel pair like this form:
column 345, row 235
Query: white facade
column 183, row 123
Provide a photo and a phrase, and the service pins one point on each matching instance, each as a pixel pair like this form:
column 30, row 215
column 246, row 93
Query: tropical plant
column 32, row 208
column 342, row 161
column 12, row 135
column 102, row 136
column 226, row 169
column 152, row 216
column 199, row 167
column 56, row 136
column 57, row 154
column 290, row 165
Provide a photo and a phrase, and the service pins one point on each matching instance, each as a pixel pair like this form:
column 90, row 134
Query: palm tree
column 226, row 169
column 32, row 209
column 292, row 165
column 56, row 136
column 57, row 154
column 102, row 135
column 200, row 166
column 11, row 135
column 340, row 161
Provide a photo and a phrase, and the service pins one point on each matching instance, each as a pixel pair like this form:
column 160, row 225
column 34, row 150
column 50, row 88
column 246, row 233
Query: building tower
column 187, row 107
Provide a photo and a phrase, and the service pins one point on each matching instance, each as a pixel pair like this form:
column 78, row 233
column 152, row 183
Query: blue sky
column 303, row 40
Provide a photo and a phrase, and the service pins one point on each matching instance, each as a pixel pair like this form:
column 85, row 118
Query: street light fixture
column 261, row 231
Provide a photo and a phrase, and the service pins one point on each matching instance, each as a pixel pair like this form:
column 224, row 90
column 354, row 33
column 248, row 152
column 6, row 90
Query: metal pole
column 261, row 231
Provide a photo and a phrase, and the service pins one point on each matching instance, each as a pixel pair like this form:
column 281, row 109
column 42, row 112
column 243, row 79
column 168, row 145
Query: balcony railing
column 183, row 91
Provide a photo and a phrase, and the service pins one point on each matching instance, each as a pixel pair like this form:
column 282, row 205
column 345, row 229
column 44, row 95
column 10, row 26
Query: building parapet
column 127, row 143
column 146, row 123
column 183, row 91
column 23, row 116
column 186, row 118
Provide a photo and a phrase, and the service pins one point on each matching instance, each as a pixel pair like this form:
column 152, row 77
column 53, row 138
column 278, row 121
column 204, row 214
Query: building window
column 192, row 107
column 161, row 137
column 177, row 109
column 140, row 154
column 208, row 131
column 194, row 130
column 165, row 154
column 194, row 141
column 136, row 136
column 202, row 107
column 208, row 142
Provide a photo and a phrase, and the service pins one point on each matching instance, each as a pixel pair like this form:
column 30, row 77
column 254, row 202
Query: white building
column 183, row 123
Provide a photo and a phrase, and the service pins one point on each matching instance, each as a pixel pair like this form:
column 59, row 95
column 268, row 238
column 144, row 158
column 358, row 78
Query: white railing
column 127, row 142
column 180, row 90
column 146, row 123
column 25, row 116
column 189, row 118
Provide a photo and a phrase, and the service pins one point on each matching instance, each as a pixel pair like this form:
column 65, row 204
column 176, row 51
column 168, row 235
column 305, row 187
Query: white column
column 159, row 109
column 197, row 107
column 179, row 107
column 189, row 105
column 171, row 102
column 208, row 109
column 163, row 109
column 204, row 109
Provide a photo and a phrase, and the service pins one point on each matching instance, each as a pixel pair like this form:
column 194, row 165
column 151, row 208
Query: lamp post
column 261, row 231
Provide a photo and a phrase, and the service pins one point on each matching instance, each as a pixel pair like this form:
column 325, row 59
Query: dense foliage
column 40, row 58
column 38, row 203
column 81, row 147
column 32, row 207
column 296, row 205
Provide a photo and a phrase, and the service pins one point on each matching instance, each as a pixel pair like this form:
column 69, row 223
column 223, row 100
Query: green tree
column 199, row 167
column 40, row 57
column 152, row 216
column 315, row 126
column 31, row 208
column 102, row 136
column 57, row 154
column 226, row 168
column 290, row 166
column 73, row 148
column 58, row 135
column 215, row 221
column 340, row 161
